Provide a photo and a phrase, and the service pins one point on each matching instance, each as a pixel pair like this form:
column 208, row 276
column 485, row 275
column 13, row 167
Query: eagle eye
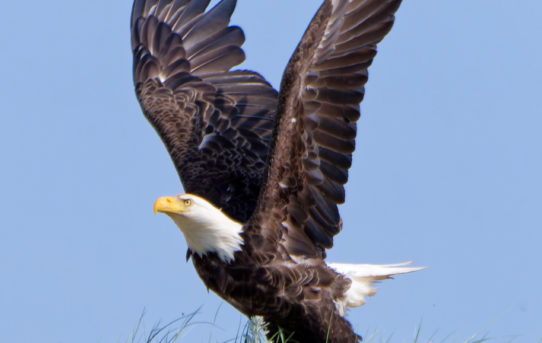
column 188, row 202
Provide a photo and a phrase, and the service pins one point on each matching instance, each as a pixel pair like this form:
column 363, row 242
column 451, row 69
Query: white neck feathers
column 206, row 229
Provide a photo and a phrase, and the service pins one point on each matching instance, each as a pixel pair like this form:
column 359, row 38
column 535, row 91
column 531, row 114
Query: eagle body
column 297, row 298
column 264, row 170
column 253, row 271
column 250, row 274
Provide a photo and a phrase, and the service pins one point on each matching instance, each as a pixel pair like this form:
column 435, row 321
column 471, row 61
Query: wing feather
column 316, row 124
column 215, row 123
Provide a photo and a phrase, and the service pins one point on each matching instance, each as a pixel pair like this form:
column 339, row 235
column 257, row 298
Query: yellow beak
column 170, row 205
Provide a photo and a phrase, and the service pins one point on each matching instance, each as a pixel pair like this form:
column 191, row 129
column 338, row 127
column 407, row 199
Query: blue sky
column 447, row 173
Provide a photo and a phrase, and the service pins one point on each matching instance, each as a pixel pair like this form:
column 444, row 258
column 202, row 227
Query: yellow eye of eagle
column 188, row 202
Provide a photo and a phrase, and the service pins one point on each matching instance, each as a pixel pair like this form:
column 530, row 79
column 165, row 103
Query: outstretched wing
column 319, row 99
column 215, row 123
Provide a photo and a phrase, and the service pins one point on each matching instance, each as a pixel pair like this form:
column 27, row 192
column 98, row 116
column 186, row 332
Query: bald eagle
column 263, row 170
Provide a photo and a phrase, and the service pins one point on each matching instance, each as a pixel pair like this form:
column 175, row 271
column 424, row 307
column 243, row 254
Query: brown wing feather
column 215, row 123
column 316, row 124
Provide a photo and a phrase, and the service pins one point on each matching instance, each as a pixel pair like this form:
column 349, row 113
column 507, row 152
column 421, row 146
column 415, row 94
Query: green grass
column 253, row 331
column 163, row 333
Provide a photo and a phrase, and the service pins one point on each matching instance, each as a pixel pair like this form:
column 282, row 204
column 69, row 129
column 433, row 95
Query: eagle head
column 205, row 228
column 187, row 205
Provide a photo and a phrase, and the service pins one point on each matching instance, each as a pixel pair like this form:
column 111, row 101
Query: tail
column 363, row 276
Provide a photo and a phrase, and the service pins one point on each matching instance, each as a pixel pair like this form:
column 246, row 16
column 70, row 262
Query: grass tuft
column 170, row 332
column 254, row 331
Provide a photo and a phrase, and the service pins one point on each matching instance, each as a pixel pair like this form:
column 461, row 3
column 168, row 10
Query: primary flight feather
column 263, row 170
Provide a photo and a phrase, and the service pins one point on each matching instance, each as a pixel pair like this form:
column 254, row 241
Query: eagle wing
column 319, row 99
column 215, row 123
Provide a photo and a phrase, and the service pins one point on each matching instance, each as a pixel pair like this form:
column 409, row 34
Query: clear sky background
column 447, row 172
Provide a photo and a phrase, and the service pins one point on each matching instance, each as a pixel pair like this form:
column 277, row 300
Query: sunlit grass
column 253, row 331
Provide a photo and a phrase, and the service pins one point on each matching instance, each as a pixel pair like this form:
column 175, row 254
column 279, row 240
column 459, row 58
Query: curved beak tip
column 158, row 205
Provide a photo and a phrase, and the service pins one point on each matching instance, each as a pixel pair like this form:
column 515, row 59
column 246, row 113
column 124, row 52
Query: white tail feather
column 363, row 276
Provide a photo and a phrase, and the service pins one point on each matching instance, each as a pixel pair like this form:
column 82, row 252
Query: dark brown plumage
column 276, row 162
column 213, row 122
